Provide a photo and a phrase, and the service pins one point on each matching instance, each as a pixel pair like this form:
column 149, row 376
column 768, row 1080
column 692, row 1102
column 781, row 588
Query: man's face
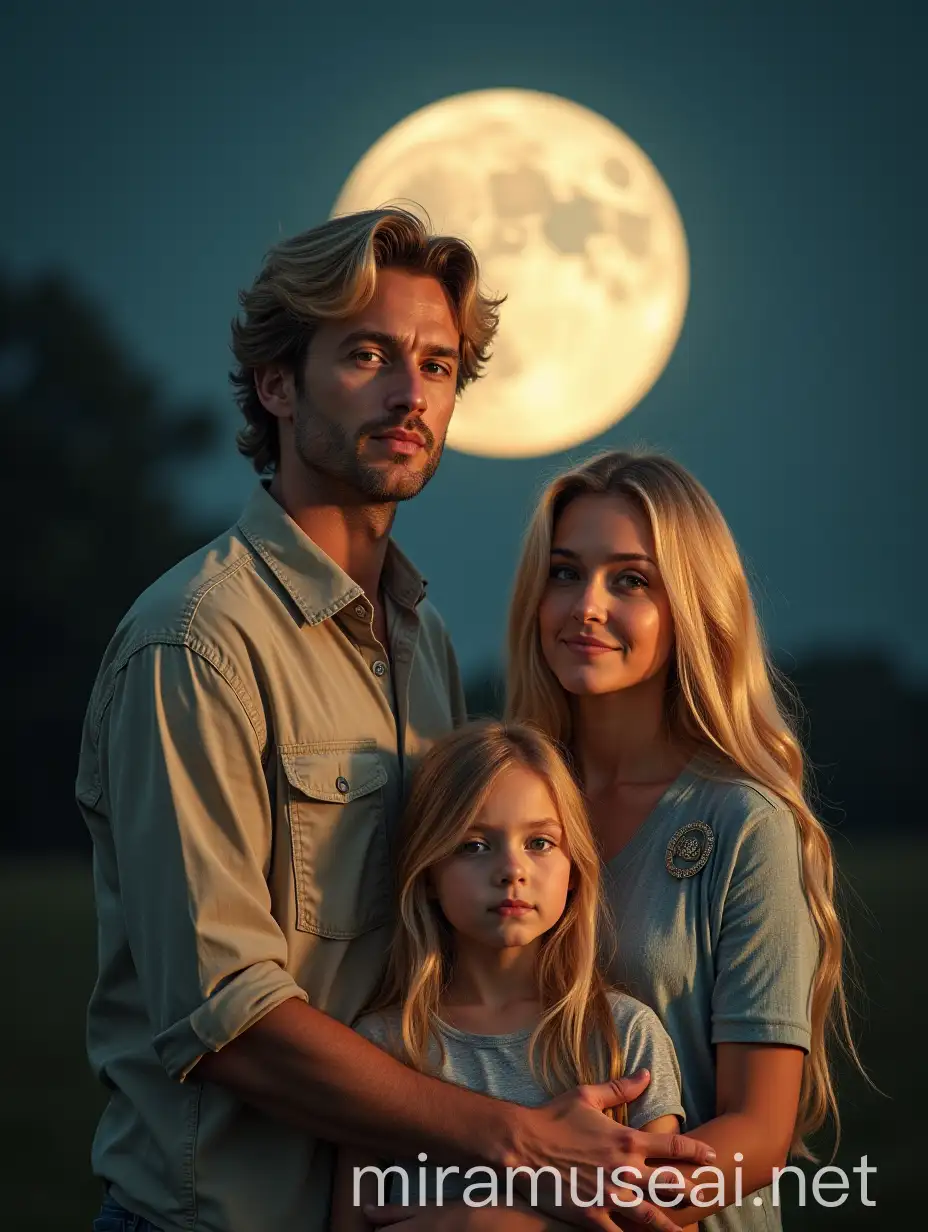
column 378, row 391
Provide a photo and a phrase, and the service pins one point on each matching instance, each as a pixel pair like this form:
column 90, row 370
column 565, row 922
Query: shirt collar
column 315, row 583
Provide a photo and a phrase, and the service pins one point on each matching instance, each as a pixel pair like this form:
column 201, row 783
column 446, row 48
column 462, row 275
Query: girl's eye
column 633, row 581
column 548, row 843
column 471, row 846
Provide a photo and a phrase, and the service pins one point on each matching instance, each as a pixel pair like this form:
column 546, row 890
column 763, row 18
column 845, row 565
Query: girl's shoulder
column 631, row 1016
column 645, row 1044
column 381, row 1027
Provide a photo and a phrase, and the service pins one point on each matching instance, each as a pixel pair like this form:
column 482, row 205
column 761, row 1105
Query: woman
column 633, row 642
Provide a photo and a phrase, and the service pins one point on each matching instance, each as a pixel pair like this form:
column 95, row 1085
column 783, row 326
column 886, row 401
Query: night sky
column 153, row 153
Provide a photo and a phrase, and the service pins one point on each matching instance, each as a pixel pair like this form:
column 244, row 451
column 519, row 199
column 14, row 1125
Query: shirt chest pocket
column 341, row 859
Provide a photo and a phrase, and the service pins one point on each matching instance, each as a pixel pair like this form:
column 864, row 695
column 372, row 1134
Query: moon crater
column 574, row 224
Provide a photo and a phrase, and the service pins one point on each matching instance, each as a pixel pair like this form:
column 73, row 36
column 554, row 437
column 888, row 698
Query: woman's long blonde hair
column 720, row 692
column 575, row 1036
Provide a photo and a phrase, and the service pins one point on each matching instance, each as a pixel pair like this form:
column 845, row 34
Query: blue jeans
column 115, row 1218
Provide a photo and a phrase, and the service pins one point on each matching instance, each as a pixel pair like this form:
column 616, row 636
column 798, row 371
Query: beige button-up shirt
column 245, row 756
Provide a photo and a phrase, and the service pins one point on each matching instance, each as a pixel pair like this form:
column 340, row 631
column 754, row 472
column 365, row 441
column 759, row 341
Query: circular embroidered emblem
column 689, row 849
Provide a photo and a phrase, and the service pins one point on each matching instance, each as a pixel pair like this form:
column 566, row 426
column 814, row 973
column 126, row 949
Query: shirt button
column 342, row 785
column 379, row 668
column 360, row 611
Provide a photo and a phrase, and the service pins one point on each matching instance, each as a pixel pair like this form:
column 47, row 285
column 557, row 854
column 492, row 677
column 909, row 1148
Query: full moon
column 572, row 222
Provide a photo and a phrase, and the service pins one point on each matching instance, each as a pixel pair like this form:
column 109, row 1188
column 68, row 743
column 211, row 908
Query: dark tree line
column 88, row 523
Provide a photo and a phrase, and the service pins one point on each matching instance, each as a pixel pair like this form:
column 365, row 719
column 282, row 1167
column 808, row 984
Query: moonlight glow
column 571, row 221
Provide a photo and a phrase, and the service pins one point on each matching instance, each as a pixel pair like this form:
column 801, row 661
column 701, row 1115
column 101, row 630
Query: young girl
column 633, row 644
column 492, row 981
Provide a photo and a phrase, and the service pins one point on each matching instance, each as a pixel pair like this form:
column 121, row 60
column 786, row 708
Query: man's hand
column 570, row 1135
column 569, row 1132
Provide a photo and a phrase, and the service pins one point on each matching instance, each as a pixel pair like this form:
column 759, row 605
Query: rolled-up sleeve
column 768, row 945
column 188, row 802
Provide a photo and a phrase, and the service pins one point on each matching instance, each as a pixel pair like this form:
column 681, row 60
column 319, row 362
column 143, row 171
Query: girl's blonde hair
column 329, row 273
column 720, row 692
column 575, row 1036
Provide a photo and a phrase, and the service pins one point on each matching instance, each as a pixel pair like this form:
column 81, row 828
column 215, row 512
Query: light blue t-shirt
column 498, row 1065
column 713, row 931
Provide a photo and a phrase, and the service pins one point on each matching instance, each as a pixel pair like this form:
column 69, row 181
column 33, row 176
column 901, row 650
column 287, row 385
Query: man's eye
column 436, row 368
column 368, row 356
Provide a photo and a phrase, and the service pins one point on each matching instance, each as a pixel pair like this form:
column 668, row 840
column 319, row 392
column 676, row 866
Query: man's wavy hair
column 329, row 273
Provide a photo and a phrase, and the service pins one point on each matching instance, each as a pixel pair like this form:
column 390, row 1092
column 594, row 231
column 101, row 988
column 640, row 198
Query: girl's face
column 604, row 619
column 514, row 853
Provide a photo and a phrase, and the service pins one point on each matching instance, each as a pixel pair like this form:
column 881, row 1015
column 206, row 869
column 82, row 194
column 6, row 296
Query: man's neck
column 353, row 534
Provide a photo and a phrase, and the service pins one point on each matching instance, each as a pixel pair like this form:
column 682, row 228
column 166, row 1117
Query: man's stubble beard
column 323, row 445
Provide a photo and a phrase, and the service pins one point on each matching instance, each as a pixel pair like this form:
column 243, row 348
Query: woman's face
column 604, row 618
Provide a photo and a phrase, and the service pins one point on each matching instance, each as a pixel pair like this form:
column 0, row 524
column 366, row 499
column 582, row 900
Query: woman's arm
column 765, row 962
column 757, row 1097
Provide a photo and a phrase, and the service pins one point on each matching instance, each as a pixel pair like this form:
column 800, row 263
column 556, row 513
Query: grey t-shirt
column 498, row 1065
column 724, row 955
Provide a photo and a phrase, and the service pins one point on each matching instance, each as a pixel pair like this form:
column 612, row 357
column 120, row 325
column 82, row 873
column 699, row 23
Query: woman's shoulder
column 750, row 825
column 731, row 801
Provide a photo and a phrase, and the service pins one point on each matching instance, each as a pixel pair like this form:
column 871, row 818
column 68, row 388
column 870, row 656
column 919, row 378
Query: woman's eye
column 633, row 581
column 562, row 573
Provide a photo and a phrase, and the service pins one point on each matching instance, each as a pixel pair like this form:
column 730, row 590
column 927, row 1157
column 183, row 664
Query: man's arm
column 300, row 1065
column 180, row 744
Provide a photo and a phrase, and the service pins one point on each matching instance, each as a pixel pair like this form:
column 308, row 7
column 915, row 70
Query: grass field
column 51, row 1102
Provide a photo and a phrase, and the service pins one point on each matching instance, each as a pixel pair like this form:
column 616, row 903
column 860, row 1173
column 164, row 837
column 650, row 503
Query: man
column 246, row 751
